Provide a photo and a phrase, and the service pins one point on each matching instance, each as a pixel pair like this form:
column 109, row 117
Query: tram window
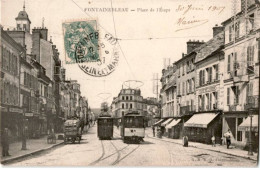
column 133, row 122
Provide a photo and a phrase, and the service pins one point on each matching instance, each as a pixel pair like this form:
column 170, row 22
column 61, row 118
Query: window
column 216, row 72
column 250, row 59
column 200, row 77
column 210, row 101
column 18, row 26
column 187, row 86
column 183, row 69
column 249, row 92
column 210, row 74
column 239, row 133
column 123, row 112
column 123, row 97
column 126, row 105
column 24, row 26
column 229, row 63
column 237, row 27
column 203, row 102
column 236, row 94
column 230, row 37
column 203, row 77
column 131, row 98
column 131, row 105
column 228, row 96
column 235, row 64
column 123, row 105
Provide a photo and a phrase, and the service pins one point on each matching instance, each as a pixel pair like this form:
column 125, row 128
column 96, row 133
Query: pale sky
column 142, row 56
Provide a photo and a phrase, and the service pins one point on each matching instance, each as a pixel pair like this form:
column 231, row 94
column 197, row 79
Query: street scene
column 116, row 153
column 111, row 83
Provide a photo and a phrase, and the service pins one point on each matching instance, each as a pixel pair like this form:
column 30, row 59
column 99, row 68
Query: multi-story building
column 168, row 92
column 11, row 111
column 209, row 64
column 127, row 99
column 241, row 70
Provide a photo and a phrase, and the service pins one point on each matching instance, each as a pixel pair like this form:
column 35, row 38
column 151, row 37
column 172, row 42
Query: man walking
column 228, row 138
column 5, row 142
column 153, row 131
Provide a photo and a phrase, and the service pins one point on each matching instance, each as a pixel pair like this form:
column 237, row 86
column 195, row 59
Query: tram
column 133, row 127
column 105, row 124
column 105, row 127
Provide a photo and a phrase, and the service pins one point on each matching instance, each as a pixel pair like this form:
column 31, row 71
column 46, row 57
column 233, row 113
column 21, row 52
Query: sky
column 146, row 37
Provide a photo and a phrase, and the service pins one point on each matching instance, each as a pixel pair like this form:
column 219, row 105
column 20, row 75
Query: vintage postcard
column 132, row 83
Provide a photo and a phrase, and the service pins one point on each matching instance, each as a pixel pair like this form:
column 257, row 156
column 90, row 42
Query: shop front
column 164, row 124
column 201, row 127
column 11, row 118
column 174, row 129
column 251, row 123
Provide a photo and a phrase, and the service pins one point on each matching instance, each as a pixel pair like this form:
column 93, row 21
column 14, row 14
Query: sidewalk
column 219, row 148
column 33, row 146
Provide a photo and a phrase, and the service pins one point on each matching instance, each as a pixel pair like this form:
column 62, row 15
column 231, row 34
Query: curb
column 30, row 154
column 246, row 157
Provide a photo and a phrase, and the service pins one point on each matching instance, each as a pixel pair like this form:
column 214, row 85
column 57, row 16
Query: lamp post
column 250, row 152
column 24, row 134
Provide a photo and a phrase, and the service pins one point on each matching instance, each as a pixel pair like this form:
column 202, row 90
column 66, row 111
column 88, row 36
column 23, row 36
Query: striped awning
column 245, row 125
column 158, row 122
column 173, row 123
column 167, row 122
column 200, row 120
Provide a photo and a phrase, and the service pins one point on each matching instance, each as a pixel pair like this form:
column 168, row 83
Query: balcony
column 185, row 110
column 241, row 78
column 232, row 108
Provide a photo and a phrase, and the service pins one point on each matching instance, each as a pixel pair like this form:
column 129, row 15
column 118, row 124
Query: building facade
column 11, row 111
column 241, row 70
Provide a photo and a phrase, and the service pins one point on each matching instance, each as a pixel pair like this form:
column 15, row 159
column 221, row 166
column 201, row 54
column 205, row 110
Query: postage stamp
column 81, row 40
column 95, row 51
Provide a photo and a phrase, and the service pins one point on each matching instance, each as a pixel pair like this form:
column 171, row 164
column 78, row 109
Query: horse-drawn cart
column 72, row 131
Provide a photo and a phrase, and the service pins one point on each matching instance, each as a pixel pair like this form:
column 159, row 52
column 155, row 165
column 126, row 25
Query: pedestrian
column 213, row 141
column 185, row 141
column 153, row 131
column 228, row 138
column 5, row 143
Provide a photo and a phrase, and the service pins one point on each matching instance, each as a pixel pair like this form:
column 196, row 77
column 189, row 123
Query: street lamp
column 250, row 152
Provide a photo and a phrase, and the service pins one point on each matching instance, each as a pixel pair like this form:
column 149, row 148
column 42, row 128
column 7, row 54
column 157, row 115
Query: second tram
column 132, row 127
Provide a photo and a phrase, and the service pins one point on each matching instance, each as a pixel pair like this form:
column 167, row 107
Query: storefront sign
column 28, row 114
column 3, row 109
column 15, row 110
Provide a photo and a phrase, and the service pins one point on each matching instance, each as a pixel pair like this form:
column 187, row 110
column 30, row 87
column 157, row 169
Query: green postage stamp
column 81, row 41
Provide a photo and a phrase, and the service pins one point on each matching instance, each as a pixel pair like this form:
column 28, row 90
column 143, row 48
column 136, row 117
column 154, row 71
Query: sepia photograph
column 129, row 83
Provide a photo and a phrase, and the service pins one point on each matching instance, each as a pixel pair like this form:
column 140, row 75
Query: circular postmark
column 97, row 54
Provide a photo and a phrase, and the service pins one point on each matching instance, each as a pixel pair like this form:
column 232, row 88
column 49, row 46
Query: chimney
column 191, row 45
column 247, row 3
column 36, row 35
column 44, row 33
column 217, row 29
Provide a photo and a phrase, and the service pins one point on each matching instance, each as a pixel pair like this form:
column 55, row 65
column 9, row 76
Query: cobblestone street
column 153, row 152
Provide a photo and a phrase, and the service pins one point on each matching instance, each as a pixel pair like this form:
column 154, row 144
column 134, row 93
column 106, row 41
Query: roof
column 22, row 15
column 209, row 47
column 200, row 120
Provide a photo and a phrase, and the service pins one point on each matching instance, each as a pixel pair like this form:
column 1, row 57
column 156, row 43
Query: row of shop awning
column 204, row 119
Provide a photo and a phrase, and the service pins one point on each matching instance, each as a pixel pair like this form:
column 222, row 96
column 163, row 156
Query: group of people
column 227, row 135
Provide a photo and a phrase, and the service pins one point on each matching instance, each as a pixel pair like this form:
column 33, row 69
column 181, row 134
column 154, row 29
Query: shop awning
column 245, row 125
column 200, row 120
column 166, row 122
column 173, row 123
column 158, row 122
